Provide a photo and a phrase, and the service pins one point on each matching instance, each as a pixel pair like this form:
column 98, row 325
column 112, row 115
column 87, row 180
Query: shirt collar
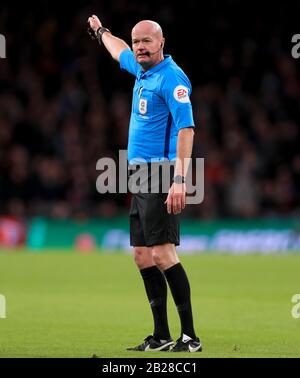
column 157, row 67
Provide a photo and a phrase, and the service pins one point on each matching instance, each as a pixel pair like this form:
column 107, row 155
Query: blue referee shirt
column 160, row 108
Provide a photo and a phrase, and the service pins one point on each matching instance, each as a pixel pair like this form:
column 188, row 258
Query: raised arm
column 114, row 45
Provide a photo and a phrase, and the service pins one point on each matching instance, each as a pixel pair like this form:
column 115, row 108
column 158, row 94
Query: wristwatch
column 179, row 179
column 100, row 32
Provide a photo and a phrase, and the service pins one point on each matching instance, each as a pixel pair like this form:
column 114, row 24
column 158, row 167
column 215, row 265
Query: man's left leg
column 165, row 257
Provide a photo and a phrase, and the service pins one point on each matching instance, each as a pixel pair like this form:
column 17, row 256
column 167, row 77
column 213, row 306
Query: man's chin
column 145, row 62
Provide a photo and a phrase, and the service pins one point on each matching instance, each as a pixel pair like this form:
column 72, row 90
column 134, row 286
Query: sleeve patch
column 181, row 94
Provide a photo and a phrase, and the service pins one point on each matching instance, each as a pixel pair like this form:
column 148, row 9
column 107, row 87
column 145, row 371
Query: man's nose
column 140, row 46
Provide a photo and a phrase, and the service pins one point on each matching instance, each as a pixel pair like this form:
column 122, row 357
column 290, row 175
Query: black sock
column 180, row 289
column 156, row 289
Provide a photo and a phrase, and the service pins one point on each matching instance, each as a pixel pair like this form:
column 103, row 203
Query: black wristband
column 100, row 31
column 179, row 179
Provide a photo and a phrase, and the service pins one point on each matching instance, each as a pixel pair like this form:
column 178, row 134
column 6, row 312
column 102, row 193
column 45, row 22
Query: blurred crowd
column 64, row 104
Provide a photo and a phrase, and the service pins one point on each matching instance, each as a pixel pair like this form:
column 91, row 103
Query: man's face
column 146, row 48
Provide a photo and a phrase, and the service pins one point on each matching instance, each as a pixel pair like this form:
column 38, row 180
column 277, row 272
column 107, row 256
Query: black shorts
column 150, row 223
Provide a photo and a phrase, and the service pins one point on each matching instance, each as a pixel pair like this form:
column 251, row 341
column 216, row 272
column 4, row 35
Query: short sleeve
column 128, row 62
column 176, row 90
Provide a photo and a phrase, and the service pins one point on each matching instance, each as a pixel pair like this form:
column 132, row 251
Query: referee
column 161, row 129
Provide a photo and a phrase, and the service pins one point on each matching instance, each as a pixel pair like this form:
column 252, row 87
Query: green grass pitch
column 73, row 305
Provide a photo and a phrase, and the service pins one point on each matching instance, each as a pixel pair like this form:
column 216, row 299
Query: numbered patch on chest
column 143, row 106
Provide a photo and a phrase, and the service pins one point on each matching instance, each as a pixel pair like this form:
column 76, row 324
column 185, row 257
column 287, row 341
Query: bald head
column 148, row 27
column 147, row 43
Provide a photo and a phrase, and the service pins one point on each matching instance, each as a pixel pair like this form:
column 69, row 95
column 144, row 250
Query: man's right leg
column 156, row 289
column 154, row 281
